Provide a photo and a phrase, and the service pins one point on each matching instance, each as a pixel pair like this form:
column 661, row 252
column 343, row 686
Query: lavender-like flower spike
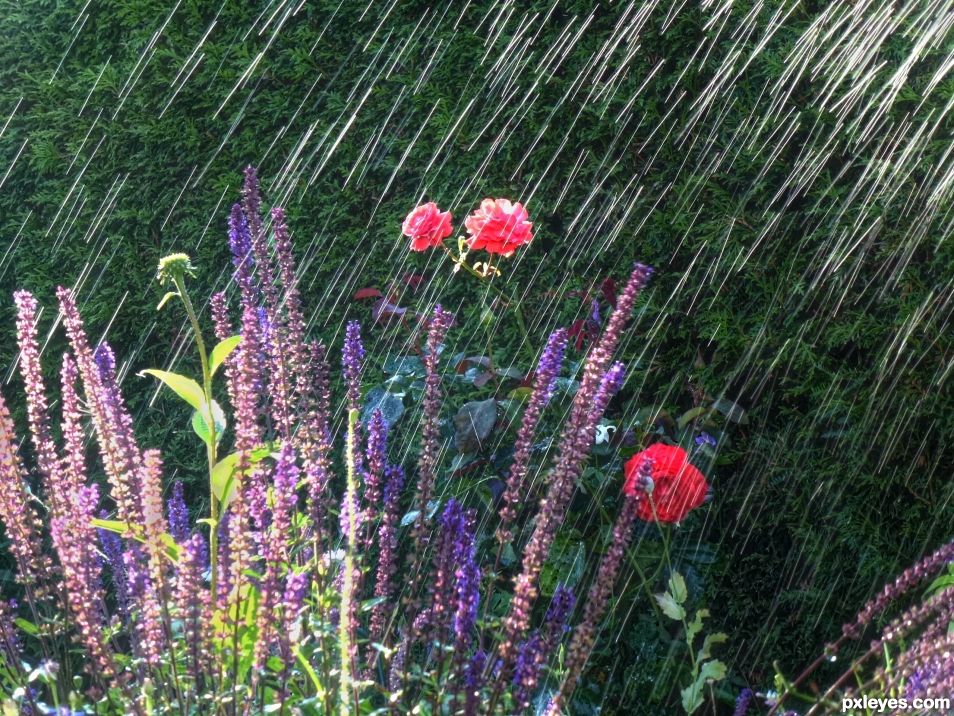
column 595, row 607
column 154, row 521
column 548, row 368
column 575, row 444
column 559, row 613
column 178, row 514
column 112, row 423
column 352, row 363
column 474, row 682
column 146, row 609
column 610, row 384
column 73, row 539
column 113, row 549
column 468, row 592
column 452, row 545
column 387, row 551
column 194, row 606
column 16, row 510
column 240, row 243
column 536, row 650
column 11, row 649
column 247, row 438
column 37, row 413
column 316, row 453
column 440, row 323
column 276, row 547
column 377, row 453
column 743, row 703
column 74, row 462
column 911, row 577
column 295, row 322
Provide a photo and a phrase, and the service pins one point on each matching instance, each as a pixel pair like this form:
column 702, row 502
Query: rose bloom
column 427, row 226
column 678, row 486
column 498, row 227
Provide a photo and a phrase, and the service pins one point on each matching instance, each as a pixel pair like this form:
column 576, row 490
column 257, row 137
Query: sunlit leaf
column 200, row 424
column 185, row 388
column 222, row 351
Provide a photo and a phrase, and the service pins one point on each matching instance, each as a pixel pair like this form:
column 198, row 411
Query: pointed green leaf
column 222, row 351
column 165, row 299
column 185, row 388
column 111, row 525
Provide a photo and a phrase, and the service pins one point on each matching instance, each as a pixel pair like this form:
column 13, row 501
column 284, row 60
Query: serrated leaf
column 185, row 388
column 677, row 588
column 222, row 351
column 670, row 607
column 710, row 641
column 714, row 670
column 695, row 626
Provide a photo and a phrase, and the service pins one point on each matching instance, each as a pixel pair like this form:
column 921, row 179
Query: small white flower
column 604, row 433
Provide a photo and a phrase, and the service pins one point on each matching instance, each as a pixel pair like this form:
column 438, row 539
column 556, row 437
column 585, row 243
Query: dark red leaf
column 362, row 293
column 609, row 291
column 413, row 280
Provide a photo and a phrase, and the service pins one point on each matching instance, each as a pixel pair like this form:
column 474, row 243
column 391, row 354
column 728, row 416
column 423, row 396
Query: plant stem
column 179, row 281
column 344, row 616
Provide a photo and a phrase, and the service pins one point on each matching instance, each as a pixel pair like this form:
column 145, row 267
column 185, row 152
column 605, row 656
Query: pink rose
column 499, row 227
column 427, row 226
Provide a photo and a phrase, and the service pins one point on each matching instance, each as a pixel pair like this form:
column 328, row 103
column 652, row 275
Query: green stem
column 179, row 281
column 344, row 618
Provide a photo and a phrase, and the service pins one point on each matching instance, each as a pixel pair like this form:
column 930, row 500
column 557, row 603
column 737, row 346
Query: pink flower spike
column 427, row 226
column 499, row 227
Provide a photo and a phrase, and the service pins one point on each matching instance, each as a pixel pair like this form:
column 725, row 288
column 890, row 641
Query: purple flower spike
column 178, row 514
column 743, row 703
column 551, row 360
column 352, row 360
column 377, row 454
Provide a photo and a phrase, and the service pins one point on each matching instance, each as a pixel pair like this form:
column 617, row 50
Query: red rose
column 427, row 226
column 498, row 227
column 678, row 486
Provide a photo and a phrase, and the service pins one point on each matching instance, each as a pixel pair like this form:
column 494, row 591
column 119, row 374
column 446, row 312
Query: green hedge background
column 795, row 203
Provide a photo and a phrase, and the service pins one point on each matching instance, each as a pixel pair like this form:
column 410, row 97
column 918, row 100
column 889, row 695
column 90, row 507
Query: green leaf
column 691, row 697
column 714, row 670
column 26, row 626
column 677, row 587
column 695, row 626
column 732, row 411
column 710, row 641
column 111, row 525
column 185, row 388
column 670, row 607
column 690, row 415
column 201, row 425
column 222, row 351
column 223, row 474
column 165, row 299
